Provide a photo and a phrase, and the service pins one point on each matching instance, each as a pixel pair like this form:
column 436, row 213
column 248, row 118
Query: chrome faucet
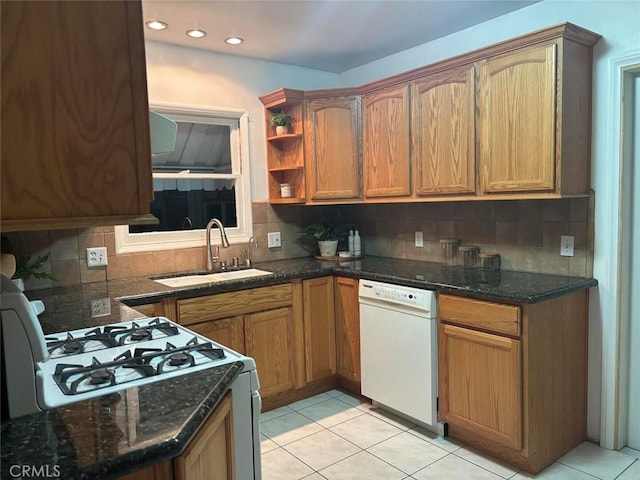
column 224, row 242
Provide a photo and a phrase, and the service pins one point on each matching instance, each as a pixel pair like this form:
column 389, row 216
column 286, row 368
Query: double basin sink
column 197, row 279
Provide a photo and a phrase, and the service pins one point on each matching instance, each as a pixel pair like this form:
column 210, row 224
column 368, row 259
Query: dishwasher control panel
column 423, row 300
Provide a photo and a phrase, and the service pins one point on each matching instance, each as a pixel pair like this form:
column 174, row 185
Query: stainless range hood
column 163, row 133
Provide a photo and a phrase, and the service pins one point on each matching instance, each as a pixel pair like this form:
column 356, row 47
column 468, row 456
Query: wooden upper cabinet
column 386, row 142
column 443, row 132
column 332, row 146
column 75, row 121
column 285, row 152
column 517, row 121
column 507, row 121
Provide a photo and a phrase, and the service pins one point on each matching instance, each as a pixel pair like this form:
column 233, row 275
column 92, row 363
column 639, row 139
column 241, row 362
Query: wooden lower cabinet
column 209, row 456
column 319, row 328
column 522, row 396
column 270, row 341
column 489, row 366
column 227, row 331
column 150, row 310
column 264, row 323
column 159, row 471
column 347, row 312
column 304, row 336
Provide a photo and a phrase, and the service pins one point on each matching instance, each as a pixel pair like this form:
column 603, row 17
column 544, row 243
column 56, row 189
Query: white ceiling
column 329, row 35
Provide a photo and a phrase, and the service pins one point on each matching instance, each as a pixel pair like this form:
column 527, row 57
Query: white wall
column 619, row 24
column 193, row 77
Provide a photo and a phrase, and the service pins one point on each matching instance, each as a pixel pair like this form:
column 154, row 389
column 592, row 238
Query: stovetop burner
column 92, row 362
column 98, row 377
column 100, row 338
column 130, row 366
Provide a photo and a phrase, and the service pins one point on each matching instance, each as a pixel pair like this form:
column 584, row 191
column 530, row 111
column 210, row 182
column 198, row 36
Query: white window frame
column 152, row 241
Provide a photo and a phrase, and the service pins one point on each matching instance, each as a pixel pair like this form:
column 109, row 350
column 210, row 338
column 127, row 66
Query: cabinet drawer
column 490, row 316
column 222, row 305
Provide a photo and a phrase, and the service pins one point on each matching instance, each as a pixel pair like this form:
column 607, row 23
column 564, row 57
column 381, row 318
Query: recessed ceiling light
column 234, row 40
column 196, row 33
column 157, row 25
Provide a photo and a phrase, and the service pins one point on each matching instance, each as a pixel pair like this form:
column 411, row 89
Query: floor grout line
column 402, row 429
column 630, row 465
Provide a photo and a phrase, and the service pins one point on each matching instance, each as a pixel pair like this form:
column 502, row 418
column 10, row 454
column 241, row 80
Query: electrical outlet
column 274, row 240
column 100, row 307
column 96, row 257
column 419, row 239
column 566, row 246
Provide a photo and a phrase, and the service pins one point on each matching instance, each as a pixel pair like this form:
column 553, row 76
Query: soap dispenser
column 357, row 244
column 351, row 243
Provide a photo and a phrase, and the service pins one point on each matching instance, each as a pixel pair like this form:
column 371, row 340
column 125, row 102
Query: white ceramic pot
column 281, row 129
column 328, row 248
column 19, row 283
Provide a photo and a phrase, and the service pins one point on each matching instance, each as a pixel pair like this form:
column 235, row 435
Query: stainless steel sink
column 187, row 280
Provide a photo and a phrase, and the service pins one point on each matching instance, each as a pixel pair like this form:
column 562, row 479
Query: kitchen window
column 206, row 176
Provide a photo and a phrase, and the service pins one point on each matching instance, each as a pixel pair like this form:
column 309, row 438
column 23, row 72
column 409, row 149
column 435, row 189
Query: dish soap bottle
column 351, row 243
column 357, row 244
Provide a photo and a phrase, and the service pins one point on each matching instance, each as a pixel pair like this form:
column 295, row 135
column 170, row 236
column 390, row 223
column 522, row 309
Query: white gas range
column 41, row 372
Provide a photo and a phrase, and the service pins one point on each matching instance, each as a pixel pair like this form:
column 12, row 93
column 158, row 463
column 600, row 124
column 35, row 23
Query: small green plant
column 326, row 230
column 281, row 119
column 27, row 267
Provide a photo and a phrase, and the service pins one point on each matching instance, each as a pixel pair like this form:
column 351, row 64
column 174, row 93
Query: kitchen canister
column 468, row 256
column 489, row 261
column 285, row 190
column 449, row 250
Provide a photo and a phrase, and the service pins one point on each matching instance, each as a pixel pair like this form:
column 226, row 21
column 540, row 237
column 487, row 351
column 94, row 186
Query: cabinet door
column 443, row 132
column 385, row 143
column 333, row 148
column 319, row 328
column 270, row 340
column 517, row 121
column 210, row 455
column 159, row 471
column 228, row 332
column 480, row 384
column 347, row 328
column 76, row 151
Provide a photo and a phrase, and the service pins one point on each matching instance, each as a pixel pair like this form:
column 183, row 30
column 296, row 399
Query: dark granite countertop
column 69, row 308
column 113, row 435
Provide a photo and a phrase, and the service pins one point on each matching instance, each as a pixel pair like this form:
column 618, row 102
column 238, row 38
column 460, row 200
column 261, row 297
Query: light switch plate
column 274, row 240
column 566, row 246
column 419, row 239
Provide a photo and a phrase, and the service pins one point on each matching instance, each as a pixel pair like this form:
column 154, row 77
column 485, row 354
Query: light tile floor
column 336, row 436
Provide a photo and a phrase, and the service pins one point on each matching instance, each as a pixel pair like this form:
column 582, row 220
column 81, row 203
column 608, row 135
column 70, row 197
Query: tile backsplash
column 526, row 233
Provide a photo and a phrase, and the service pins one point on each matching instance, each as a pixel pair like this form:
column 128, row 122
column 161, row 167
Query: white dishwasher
column 399, row 350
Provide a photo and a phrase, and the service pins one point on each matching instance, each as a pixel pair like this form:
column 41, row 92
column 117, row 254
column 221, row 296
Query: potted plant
column 281, row 121
column 27, row 267
column 327, row 234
